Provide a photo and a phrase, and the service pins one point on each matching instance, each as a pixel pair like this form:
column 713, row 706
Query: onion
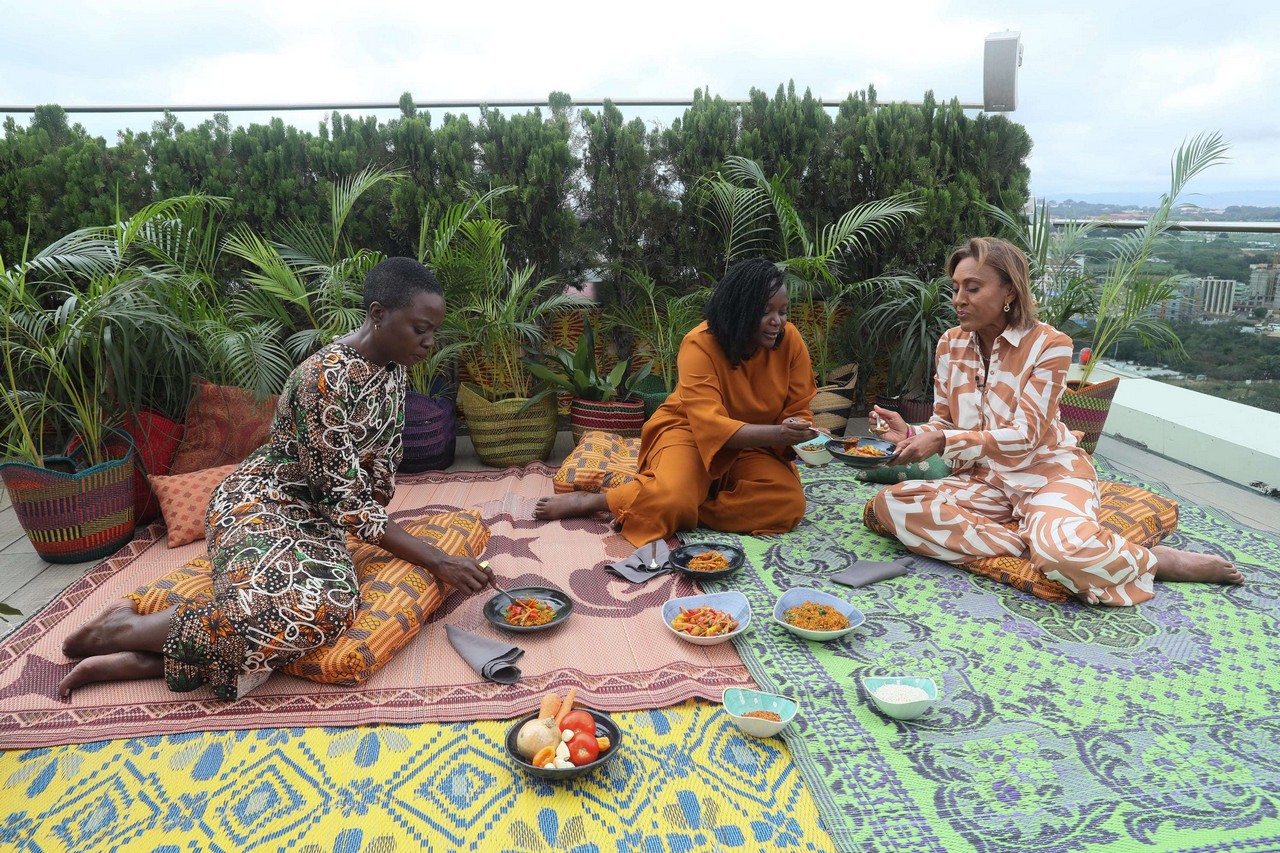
column 536, row 734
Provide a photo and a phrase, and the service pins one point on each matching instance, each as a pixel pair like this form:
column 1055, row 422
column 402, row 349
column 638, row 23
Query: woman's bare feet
column 1190, row 567
column 118, row 666
column 118, row 629
column 570, row 505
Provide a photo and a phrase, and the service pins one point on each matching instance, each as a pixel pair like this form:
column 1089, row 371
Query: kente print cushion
column 602, row 460
column 396, row 598
column 184, row 501
column 1129, row 511
column 223, row 426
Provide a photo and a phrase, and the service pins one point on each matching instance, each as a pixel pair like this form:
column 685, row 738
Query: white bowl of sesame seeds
column 903, row 697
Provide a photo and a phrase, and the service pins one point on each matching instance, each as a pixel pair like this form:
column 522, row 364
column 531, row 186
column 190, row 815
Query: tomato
column 583, row 749
column 579, row 722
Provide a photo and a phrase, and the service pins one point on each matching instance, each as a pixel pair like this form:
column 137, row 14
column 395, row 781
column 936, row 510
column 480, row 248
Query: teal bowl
column 901, row 710
column 739, row 701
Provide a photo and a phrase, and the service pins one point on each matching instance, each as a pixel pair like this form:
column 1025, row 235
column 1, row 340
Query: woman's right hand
column 464, row 574
column 897, row 432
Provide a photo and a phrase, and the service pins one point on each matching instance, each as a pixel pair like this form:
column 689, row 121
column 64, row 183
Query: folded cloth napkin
column 863, row 572
column 494, row 660
column 636, row 567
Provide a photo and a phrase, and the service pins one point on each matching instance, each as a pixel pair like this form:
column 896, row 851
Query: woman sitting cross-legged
column 1000, row 378
column 717, row 453
column 283, row 580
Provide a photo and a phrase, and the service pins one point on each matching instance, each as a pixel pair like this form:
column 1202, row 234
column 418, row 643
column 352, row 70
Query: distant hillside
column 1216, row 199
column 1079, row 209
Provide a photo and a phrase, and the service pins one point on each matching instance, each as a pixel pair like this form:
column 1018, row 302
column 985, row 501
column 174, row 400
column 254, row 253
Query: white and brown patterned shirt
column 1002, row 420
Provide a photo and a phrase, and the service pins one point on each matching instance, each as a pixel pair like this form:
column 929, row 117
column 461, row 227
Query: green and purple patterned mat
column 1060, row 727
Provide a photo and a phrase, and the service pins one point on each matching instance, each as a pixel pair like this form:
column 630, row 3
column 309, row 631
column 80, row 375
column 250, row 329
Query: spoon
column 653, row 553
column 485, row 565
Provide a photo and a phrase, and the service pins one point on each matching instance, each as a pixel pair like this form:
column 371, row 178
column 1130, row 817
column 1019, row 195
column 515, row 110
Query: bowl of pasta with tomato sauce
column 528, row 608
column 708, row 560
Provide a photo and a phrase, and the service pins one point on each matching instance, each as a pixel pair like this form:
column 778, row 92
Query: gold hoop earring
column 1006, row 307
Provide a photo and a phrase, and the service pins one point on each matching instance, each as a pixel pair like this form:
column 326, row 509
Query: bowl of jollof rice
column 816, row 615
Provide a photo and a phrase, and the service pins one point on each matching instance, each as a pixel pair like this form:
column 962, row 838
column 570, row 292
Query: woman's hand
column 463, row 574
column 796, row 430
column 897, row 431
column 920, row 446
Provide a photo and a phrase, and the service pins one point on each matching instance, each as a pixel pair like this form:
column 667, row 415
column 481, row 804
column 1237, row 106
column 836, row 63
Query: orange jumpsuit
column 1014, row 460
column 686, row 474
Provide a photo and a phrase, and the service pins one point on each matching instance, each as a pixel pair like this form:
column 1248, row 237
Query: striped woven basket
column 502, row 434
column 625, row 418
column 833, row 403
column 430, row 433
column 1085, row 409
column 79, row 516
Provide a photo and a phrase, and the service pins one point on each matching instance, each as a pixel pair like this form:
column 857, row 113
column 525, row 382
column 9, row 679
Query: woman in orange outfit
column 718, row 451
column 1000, row 379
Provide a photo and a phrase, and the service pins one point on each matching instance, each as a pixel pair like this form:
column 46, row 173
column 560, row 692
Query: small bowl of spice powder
column 902, row 697
column 758, row 713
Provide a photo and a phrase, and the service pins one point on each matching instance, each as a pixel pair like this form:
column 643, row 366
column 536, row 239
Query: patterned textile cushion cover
column 396, row 598
column 1132, row 512
column 602, row 460
column 184, row 501
column 155, row 442
column 223, row 426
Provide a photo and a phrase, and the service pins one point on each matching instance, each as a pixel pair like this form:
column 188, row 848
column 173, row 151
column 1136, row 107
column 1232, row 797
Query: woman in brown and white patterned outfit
column 283, row 581
column 1000, row 378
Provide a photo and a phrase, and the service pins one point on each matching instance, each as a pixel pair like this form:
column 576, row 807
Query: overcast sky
column 1107, row 90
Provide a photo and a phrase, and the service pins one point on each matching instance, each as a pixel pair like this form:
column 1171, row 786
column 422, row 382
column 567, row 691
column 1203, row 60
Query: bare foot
column 1190, row 567
column 118, row 629
column 120, row 666
column 570, row 505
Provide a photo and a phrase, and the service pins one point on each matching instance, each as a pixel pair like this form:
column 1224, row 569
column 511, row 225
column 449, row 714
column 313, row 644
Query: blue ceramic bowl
column 733, row 603
column 901, row 710
column 739, row 701
column 798, row 596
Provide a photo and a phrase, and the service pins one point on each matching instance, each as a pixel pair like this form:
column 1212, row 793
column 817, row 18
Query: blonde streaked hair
column 1011, row 265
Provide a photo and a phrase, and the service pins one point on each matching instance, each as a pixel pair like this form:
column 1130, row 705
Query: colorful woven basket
column 1085, row 409
column 502, row 434
column 833, row 403
column 623, row 417
column 653, row 392
column 79, row 516
column 430, row 433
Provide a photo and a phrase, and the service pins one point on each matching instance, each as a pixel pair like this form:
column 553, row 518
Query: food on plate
column 708, row 561
column 562, row 737
column 812, row 448
column 851, row 447
column 764, row 715
column 816, row 617
column 527, row 612
column 704, row 622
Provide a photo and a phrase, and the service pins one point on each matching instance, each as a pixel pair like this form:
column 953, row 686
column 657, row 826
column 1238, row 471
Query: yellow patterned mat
column 686, row 780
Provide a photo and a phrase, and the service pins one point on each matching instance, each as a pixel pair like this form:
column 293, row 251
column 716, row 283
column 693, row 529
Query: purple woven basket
column 430, row 433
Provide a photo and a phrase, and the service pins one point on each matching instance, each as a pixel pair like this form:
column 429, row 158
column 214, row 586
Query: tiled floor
column 29, row 583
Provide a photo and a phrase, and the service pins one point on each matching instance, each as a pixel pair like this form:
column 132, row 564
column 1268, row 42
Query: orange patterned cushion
column 184, row 501
column 396, row 598
column 602, row 460
column 223, row 426
column 1129, row 511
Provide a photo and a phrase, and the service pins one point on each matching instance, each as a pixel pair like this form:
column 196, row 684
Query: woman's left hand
column 920, row 446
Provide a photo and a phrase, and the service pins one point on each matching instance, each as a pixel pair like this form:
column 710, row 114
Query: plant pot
column 430, row 433
column 1085, row 408
column 502, row 434
column 912, row 411
column 653, row 393
column 623, row 417
column 833, row 403
column 78, row 516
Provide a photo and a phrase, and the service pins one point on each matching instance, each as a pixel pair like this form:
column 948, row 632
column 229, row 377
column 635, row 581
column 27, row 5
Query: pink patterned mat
column 614, row 648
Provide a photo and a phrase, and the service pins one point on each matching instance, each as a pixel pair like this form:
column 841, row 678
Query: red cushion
column 155, row 442
column 224, row 425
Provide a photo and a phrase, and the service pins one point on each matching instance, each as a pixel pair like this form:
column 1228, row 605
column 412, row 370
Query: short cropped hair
column 1011, row 265
column 393, row 283
column 736, row 305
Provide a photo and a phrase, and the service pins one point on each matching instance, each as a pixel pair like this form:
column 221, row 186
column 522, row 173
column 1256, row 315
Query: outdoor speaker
column 1000, row 63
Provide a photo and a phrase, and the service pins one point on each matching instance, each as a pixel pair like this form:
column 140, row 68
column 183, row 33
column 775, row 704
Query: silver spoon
column 502, row 591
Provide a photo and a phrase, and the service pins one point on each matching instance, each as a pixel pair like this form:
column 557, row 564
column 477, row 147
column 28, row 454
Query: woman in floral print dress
column 1000, row 378
column 283, row 581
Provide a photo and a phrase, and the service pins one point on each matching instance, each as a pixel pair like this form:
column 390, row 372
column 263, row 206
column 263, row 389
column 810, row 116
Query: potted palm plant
column 907, row 317
column 1122, row 299
column 73, row 319
column 600, row 401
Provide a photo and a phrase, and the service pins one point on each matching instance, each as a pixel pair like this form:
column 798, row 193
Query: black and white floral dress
column 283, row 581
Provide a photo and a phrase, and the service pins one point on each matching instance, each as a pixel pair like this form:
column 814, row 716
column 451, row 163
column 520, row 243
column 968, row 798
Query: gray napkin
column 863, row 572
column 494, row 660
column 636, row 567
